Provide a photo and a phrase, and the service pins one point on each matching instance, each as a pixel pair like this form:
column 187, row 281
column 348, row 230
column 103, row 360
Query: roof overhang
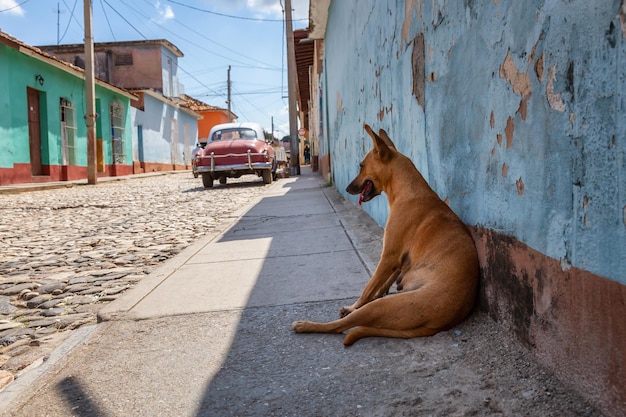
column 177, row 103
column 318, row 16
column 103, row 46
column 304, row 51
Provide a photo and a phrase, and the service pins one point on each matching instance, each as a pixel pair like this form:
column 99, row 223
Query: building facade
column 42, row 130
column 163, row 129
column 211, row 116
column 514, row 113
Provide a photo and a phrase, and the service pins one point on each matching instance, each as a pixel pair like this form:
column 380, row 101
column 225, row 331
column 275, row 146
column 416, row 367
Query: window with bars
column 117, row 133
column 68, row 132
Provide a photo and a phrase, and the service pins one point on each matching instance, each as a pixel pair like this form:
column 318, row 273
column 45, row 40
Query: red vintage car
column 233, row 150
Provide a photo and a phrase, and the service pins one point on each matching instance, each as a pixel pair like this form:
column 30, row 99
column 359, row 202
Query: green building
column 43, row 136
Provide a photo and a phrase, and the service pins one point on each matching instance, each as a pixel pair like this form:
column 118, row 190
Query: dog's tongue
column 366, row 190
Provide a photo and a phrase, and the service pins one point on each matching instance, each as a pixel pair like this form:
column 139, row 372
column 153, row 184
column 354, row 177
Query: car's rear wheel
column 207, row 180
column 223, row 179
column 267, row 176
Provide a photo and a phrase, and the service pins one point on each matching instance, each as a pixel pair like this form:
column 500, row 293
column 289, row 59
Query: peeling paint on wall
column 518, row 80
column 339, row 105
column 510, row 127
column 417, row 65
column 554, row 99
column 539, row 68
column 384, row 111
column 409, row 5
column 522, row 109
column 520, row 186
column 621, row 15
column 501, row 72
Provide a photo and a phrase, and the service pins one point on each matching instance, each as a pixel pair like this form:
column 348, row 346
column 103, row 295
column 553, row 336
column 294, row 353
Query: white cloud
column 269, row 9
column 168, row 13
column 11, row 7
column 275, row 9
column 266, row 7
column 165, row 11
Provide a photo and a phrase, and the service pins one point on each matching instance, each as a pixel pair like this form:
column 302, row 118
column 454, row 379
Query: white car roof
column 250, row 125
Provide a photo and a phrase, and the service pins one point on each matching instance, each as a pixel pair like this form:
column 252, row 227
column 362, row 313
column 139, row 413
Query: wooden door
column 34, row 131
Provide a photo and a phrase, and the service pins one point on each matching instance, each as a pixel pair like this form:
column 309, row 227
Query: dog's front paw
column 345, row 311
column 299, row 326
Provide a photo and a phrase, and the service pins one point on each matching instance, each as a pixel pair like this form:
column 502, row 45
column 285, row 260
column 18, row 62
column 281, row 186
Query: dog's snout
column 353, row 188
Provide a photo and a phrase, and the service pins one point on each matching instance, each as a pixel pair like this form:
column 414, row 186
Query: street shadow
column 78, row 400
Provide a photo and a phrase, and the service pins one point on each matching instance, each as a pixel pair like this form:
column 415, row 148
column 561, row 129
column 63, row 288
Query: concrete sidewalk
column 174, row 330
column 208, row 334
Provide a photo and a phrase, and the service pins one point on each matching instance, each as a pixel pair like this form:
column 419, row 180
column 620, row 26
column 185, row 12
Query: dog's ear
column 384, row 136
column 381, row 145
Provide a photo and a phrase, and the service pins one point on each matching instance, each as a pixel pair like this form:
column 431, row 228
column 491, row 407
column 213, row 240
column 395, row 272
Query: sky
column 248, row 35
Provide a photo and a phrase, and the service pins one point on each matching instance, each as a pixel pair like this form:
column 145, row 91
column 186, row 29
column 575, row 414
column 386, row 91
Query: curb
column 42, row 186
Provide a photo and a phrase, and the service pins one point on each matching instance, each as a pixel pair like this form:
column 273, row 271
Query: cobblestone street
column 66, row 252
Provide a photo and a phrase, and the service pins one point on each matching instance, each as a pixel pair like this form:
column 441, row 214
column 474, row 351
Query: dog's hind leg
column 361, row 332
column 337, row 326
column 402, row 315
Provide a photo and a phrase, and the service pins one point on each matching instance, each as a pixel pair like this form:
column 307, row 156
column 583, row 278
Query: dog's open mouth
column 366, row 191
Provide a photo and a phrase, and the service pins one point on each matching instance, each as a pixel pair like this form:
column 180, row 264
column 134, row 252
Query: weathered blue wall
column 514, row 111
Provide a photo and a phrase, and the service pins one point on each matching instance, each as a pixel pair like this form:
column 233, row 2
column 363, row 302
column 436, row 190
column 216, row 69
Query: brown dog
column 427, row 251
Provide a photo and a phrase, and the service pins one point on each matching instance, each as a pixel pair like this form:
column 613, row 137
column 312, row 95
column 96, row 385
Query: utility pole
column 272, row 129
column 291, row 83
column 90, row 92
column 58, row 23
column 228, row 100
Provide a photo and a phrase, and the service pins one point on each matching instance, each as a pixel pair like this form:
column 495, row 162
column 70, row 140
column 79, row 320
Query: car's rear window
column 235, row 133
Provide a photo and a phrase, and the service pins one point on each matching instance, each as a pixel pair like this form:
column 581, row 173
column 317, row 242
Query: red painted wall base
column 21, row 173
column 572, row 320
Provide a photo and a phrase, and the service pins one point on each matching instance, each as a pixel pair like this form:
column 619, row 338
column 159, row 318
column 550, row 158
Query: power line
column 251, row 93
column 231, row 16
column 14, row 7
column 69, row 21
column 197, row 33
column 134, row 15
column 238, row 111
column 124, row 19
column 198, row 81
column 106, row 17
column 243, row 64
column 259, row 68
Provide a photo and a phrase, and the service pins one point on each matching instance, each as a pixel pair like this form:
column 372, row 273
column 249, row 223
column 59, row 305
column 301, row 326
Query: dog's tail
column 364, row 331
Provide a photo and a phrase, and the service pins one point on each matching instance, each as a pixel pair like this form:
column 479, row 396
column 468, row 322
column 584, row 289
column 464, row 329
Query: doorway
column 34, row 131
column 140, row 143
